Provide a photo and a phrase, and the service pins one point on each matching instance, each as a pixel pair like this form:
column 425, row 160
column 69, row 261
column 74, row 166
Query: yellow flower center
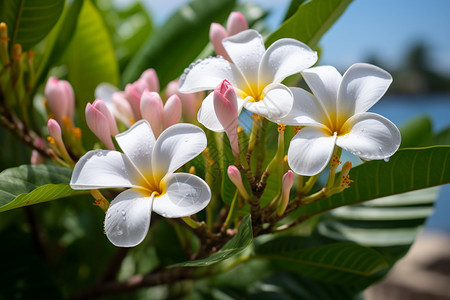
column 250, row 93
column 335, row 124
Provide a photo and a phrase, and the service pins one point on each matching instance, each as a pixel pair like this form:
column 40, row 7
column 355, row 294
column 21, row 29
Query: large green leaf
column 234, row 246
column 58, row 40
column 312, row 19
column 28, row 185
column 176, row 44
column 29, row 21
column 407, row 170
column 341, row 263
column 91, row 61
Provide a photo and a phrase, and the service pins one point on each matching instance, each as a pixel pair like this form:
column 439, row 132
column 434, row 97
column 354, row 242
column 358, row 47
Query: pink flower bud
column 236, row 23
column 122, row 108
column 287, row 183
column 60, row 99
column 55, row 131
column 225, row 106
column 190, row 102
column 216, row 34
column 99, row 125
column 101, row 106
column 235, row 177
column 151, row 79
column 133, row 92
column 152, row 110
column 172, row 111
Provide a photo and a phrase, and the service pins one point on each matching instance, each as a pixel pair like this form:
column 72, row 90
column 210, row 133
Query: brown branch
column 165, row 276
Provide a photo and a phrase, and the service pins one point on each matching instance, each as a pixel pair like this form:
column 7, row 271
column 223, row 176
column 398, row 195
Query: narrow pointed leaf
column 407, row 170
column 334, row 263
column 311, row 20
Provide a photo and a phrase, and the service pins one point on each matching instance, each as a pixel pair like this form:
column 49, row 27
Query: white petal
column 306, row 110
column 324, row 82
column 183, row 195
column 371, row 136
column 206, row 74
column 103, row 169
column 176, row 146
column 128, row 218
column 277, row 102
column 104, row 91
column 361, row 87
column 283, row 58
column 310, row 151
column 246, row 50
column 207, row 114
column 137, row 144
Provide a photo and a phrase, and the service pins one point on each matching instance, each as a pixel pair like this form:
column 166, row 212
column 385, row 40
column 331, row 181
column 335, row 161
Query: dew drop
column 124, row 219
column 123, row 212
column 386, row 159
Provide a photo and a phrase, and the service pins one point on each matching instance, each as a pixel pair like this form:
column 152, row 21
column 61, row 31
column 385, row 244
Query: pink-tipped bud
column 190, row 102
column 55, row 131
column 225, row 106
column 152, row 110
column 236, row 23
column 99, row 125
column 60, row 99
column 122, row 108
column 216, row 34
column 133, row 92
column 235, row 177
column 287, row 183
column 172, row 111
column 103, row 108
column 151, row 79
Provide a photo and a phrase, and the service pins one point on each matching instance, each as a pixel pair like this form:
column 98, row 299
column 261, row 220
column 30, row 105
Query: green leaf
column 334, row 263
column 58, row 40
column 234, row 246
column 176, row 44
column 407, row 170
column 312, row 19
column 90, row 60
column 29, row 184
column 29, row 21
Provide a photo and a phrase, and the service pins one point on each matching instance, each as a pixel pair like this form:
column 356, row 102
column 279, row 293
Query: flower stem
column 190, row 222
column 232, row 210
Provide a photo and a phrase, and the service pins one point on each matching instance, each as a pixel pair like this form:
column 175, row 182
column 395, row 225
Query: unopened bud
column 216, row 34
column 98, row 124
column 287, row 183
column 4, row 56
column 172, row 111
column 235, row 177
column 101, row 106
column 151, row 79
column 60, row 99
column 152, row 110
column 236, row 23
column 225, row 107
column 122, row 109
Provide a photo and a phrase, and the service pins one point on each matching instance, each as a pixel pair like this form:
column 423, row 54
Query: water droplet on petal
column 386, row 159
column 123, row 212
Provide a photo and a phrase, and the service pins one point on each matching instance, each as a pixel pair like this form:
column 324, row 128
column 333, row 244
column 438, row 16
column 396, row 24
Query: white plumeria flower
column 336, row 115
column 146, row 167
column 255, row 74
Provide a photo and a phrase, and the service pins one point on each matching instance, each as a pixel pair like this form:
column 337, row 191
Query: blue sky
column 385, row 28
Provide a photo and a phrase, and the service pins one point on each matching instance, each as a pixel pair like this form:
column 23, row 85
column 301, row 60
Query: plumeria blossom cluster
column 145, row 143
